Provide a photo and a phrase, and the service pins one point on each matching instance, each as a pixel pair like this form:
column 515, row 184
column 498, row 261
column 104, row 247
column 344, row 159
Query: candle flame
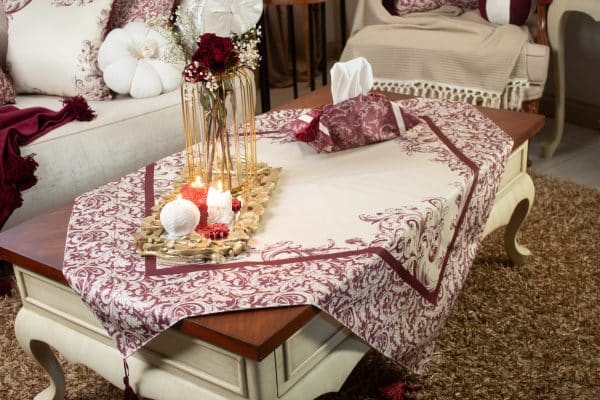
column 197, row 183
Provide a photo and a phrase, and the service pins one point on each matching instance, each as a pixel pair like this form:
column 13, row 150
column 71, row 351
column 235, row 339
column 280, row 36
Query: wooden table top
column 38, row 245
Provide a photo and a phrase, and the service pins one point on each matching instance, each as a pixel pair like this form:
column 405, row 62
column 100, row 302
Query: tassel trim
column 77, row 108
column 511, row 98
column 128, row 393
column 309, row 132
column 396, row 391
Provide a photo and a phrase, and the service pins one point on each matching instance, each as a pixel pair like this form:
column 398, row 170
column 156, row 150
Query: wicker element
column 151, row 241
column 220, row 137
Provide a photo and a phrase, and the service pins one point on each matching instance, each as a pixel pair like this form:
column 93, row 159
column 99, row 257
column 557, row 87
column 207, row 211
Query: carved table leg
column 513, row 202
column 517, row 252
column 44, row 356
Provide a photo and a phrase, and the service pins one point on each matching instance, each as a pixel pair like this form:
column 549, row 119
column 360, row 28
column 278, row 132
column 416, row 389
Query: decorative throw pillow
column 504, row 12
column 125, row 11
column 53, row 46
column 403, row 7
column 7, row 93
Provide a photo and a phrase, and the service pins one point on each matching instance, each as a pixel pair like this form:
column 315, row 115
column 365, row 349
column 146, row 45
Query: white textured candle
column 219, row 207
column 179, row 217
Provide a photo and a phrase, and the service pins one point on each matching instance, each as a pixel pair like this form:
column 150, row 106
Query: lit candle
column 197, row 183
column 179, row 217
column 219, row 205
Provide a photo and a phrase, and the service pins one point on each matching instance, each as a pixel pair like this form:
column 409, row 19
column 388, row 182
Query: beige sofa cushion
column 53, row 47
column 126, row 135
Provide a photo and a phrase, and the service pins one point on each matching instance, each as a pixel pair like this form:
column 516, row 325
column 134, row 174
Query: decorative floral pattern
column 392, row 280
column 89, row 79
column 12, row 6
column 68, row 3
column 402, row 7
column 7, row 92
column 125, row 11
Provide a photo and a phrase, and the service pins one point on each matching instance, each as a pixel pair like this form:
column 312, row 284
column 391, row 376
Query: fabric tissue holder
column 356, row 117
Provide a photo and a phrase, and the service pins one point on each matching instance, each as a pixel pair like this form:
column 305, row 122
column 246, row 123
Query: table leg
column 324, row 43
column 517, row 252
column 311, row 46
column 292, row 44
column 512, row 204
column 265, row 95
column 41, row 352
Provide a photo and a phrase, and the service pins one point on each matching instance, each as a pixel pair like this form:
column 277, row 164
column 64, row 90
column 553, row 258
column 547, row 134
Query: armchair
column 451, row 55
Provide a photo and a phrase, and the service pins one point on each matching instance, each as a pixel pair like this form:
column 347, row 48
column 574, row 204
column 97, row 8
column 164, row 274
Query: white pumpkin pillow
column 141, row 60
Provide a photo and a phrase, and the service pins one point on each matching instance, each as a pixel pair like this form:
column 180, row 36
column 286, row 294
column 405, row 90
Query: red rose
column 215, row 53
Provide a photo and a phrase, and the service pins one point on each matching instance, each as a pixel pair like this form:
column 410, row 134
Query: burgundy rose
column 215, row 53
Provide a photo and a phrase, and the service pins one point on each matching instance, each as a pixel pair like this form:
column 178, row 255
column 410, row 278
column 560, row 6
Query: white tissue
column 350, row 79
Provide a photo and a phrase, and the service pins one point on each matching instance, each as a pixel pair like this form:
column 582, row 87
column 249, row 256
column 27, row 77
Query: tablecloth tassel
column 395, row 391
column 128, row 393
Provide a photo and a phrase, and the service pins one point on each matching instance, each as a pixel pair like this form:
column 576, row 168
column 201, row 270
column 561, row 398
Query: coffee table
column 281, row 353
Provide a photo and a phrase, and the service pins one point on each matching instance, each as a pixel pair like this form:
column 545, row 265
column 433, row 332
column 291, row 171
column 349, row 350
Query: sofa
column 126, row 135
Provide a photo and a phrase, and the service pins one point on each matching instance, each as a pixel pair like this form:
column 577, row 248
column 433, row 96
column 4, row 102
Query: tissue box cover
column 352, row 123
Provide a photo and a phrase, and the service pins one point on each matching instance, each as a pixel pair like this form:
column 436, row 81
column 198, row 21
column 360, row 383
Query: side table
column 557, row 21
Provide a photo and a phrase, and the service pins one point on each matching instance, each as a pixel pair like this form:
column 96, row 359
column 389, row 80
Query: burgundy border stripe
column 149, row 189
column 475, row 169
column 150, row 261
column 385, row 255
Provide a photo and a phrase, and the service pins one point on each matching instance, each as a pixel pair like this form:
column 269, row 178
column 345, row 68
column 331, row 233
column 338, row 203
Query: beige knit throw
column 436, row 55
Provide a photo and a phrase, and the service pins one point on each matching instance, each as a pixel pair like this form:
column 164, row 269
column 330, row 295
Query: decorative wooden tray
column 152, row 241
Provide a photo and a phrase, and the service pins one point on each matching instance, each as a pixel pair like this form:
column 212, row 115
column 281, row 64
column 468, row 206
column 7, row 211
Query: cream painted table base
column 174, row 366
column 557, row 21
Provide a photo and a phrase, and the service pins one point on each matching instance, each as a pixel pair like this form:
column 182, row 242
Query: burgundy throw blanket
column 19, row 127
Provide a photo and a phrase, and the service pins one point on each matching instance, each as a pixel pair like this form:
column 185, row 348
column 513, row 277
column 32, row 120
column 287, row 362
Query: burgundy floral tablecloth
column 380, row 237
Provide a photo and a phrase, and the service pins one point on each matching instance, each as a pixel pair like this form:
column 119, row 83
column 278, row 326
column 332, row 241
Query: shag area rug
column 527, row 332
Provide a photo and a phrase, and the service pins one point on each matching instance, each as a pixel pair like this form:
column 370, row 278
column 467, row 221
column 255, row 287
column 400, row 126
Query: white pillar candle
column 218, row 204
column 179, row 217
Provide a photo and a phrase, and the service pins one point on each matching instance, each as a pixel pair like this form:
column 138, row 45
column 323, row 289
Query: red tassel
column 396, row 391
column 128, row 393
column 309, row 133
column 5, row 287
column 78, row 108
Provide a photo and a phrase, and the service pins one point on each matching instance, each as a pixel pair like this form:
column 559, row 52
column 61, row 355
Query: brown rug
column 530, row 332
